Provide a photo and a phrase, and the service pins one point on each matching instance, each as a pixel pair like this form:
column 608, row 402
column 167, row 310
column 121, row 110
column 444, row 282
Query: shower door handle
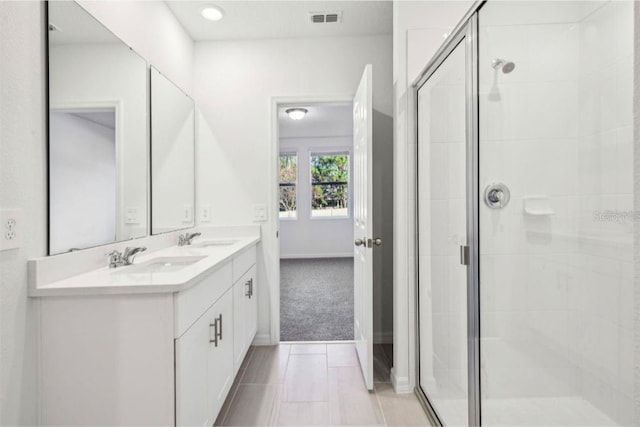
column 464, row 255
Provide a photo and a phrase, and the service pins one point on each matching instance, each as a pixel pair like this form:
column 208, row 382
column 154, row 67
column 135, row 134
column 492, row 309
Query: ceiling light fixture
column 212, row 13
column 296, row 113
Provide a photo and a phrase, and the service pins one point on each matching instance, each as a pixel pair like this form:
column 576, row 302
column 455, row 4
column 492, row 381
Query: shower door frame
column 465, row 32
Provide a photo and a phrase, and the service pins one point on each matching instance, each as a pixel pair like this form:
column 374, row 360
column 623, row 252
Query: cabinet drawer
column 243, row 262
column 192, row 303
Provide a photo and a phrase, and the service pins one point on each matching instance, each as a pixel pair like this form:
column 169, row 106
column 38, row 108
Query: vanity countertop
column 130, row 280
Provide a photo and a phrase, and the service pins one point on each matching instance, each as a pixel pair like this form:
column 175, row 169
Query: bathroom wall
column 23, row 170
column 161, row 41
column 418, row 32
column 305, row 237
column 234, row 85
column 22, row 185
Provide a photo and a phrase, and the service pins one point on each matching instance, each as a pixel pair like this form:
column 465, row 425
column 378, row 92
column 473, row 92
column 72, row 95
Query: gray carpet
column 316, row 299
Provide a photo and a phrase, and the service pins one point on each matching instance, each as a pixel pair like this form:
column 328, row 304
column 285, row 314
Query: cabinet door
column 192, row 351
column 239, row 313
column 251, row 308
column 220, row 356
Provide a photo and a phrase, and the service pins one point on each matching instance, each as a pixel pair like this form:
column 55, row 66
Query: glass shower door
column 556, row 271
column 442, row 280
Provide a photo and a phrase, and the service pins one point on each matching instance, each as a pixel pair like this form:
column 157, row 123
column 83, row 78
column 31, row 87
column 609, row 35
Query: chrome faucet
column 186, row 238
column 117, row 258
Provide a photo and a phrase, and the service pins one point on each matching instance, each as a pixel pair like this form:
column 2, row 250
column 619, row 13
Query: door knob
column 377, row 241
column 359, row 242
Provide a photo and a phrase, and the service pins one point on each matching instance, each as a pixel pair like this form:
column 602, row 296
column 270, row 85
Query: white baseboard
column 401, row 385
column 383, row 337
column 262, row 339
column 306, row 256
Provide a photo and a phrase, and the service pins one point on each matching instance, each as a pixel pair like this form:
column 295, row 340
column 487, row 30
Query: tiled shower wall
column 557, row 289
column 601, row 290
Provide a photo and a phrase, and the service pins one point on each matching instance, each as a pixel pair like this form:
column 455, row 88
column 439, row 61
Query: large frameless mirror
column 172, row 156
column 98, row 151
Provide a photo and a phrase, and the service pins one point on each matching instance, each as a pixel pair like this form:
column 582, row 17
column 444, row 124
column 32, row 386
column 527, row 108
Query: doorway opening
column 316, row 221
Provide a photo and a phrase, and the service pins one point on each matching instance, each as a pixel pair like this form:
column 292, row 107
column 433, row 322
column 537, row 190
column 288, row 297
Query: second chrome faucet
column 186, row 238
column 117, row 258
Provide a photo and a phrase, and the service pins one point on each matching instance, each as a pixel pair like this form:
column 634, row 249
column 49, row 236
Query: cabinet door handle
column 248, row 292
column 214, row 325
column 219, row 332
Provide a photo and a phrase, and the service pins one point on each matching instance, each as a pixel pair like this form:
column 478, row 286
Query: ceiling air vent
column 325, row 17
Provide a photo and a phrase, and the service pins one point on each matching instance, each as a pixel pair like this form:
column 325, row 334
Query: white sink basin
column 162, row 265
column 209, row 243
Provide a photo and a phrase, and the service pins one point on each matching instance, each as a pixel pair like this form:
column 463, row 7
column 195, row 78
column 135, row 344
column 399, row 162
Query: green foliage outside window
column 329, row 180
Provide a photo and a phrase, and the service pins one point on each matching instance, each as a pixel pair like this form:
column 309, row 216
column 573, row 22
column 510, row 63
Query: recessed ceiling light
column 212, row 13
column 296, row 113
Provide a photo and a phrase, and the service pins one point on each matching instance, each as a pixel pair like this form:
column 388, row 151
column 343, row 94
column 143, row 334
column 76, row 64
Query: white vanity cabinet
column 204, row 365
column 245, row 315
column 147, row 359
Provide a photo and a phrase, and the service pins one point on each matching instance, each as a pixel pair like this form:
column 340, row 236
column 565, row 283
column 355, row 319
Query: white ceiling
column 331, row 119
column 266, row 19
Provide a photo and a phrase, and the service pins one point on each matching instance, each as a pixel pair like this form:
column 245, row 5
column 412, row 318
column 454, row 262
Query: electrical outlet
column 11, row 238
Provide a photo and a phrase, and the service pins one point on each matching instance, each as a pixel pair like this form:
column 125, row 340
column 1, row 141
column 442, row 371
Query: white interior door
column 363, row 225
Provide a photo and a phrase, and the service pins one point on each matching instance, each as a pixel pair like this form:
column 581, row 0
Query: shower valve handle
column 496, row 195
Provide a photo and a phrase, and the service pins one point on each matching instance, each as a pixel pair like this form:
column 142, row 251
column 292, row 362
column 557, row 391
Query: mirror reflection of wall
column 172, row 156
column 98, row 133
column 83, row 172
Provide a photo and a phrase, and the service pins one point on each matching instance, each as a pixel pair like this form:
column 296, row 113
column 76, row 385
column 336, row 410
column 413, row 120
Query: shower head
column 505, row 66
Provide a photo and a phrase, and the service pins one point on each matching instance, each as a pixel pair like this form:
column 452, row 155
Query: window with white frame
column 329, row 185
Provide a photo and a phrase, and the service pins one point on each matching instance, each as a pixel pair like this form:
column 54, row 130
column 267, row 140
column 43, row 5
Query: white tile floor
column 315, row 385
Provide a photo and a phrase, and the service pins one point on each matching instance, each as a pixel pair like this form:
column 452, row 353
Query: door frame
column 273, row 207
column 465, row 32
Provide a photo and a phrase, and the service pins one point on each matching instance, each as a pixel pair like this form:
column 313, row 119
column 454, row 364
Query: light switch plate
column 259, row 213
column 188, row 214
column 11, row 227
column 205, row 214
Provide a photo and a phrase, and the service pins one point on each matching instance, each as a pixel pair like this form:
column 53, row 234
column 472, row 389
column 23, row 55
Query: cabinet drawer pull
column 248, row 292
column 219, row 332
column 214, row 325
column 251, row 287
